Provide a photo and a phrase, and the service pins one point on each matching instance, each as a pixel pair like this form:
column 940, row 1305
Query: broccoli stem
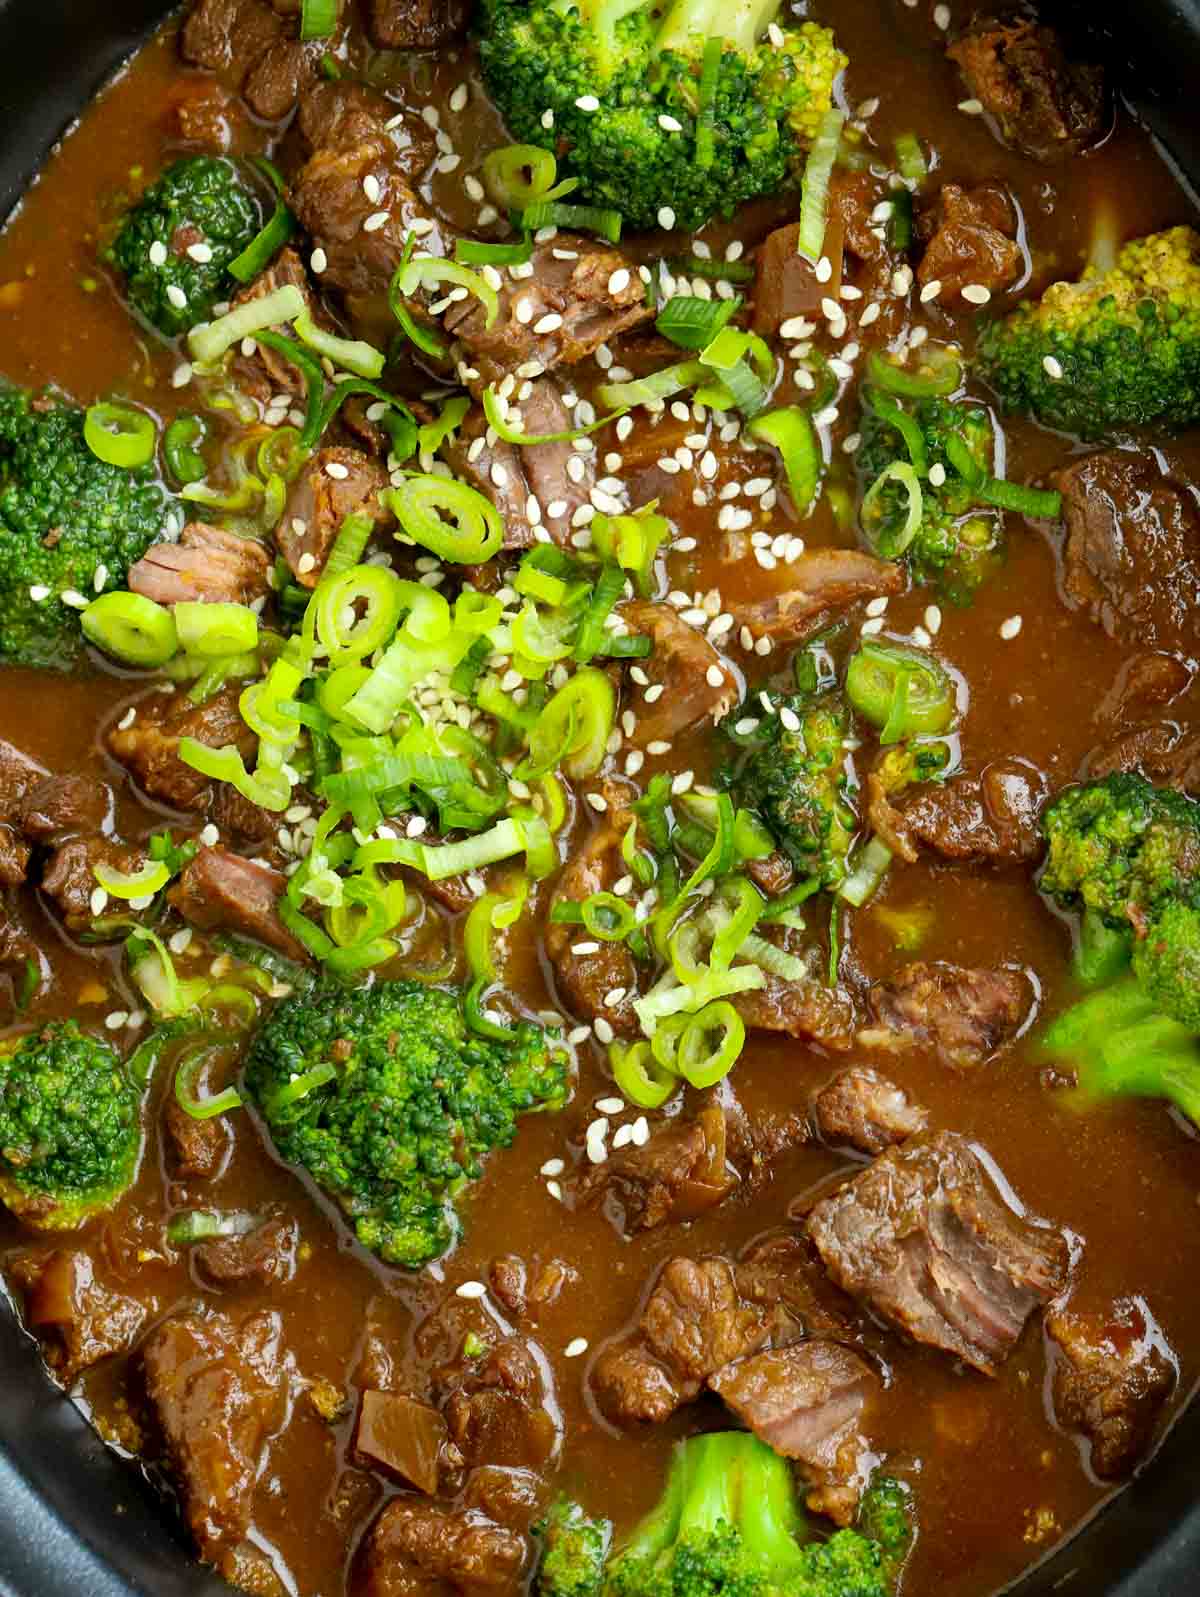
column 741, row 24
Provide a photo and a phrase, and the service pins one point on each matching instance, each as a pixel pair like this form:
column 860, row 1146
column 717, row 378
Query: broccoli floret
column 70, row 1128
column 885, row 1515
column 729, row 1525
column 793, row 776
column 64, row 514
column 642, row 63
column 574, row 1551
column 958, row 540
column 389, row 1102
column 174, row 247
column 1117, row 349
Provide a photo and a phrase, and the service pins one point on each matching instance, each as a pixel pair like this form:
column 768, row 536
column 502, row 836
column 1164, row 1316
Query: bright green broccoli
column 885, row 1515
column 635, row 141
column 792, row 775
column 574, row 1551
column 65, row 518
column 389, row 1102
column 70, row 1129
column 175, row 245
column 957, row 540
column 1117, row 349
column 729, row 1525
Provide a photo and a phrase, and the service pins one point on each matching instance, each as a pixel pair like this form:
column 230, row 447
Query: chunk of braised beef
column 417, row 24
column 402, row 1437
column 265, row 1256
column 206, row 116
column 631, row 1387
column 195, row 1150
column 1046, row 105
column 863, row 1110
column 511, row 1497
column 923, row 1238
column 18, row 773
column 337, row 482
column 970, row 239
column 218, row 889
column 824, row 582
column 677, row 1175
column 266, row 373
column 695, row 684
column 206, row 566
column 804, row 1009
column 1113, row 1373
column 783, row 1274
column 148, row 746
column 58, row 807
column 254, row 50
column 69, row 878
column 77, row 1320
column 495, row 1408
column 585, row 981
column 985, row 819
column 245, row 823
column 415, row 1546
column 959, row 1016
column 696, row 1321
column 14, row 857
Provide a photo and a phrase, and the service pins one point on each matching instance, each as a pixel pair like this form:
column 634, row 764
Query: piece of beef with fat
column 206, row 566
column 863, row 1110
column 960, row 1016
column 1113, row 1373
column 1046, row 105
column 218, row 889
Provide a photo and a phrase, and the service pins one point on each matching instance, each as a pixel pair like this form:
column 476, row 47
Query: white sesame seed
column 872, row 628
column 209, row 835
column 375, row 221
column 587, row 102
column 976, row 293
column 619, row 281
column 336, row 470
column 458, row 100
column 877, row 607
column 669, row 124
column 471, row 1289
column 1010, row 628
column 641, row 1131
column 933, row 618
column 971, row 107
column 371, row 188
column 75, row 600
column 318, row 260
column 823, row 270
column 603, row 1030
column 1052, row 367
column 38, row 592
column 715, row 677
column 555, row 1190
column 549, row 323
column 941, row 17
column 607, row 1106
column 553, row 1167
column 666, row 218
column 116, row 1020
column 575, row 1347
column 177, row 297
column 870, row 315
column 158, row 253
column 931, row 291
column 98, row 900
column 937, row 474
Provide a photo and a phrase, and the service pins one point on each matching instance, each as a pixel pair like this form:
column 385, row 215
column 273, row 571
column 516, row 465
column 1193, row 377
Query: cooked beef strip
column 69, row 879
column 263, row 1257
column 1046, row 106
column 337, row 482
column 415, row 1547
column 824, row 581
column 677, row 1175
column 496, row 1408
column 77, row 1320
column 971, row 238
column 402, row 1437
column 805, row 1009
column 1113, row 1374
column 266, row 374
column 680, row 665
column 218, row 1391
column 1160, row 752
column 1131, row 559
column 207, row 565
column 57, row 807
column 863, row 1110
column 808, row 1401
column 220, row 889
column 924, row 1239
column 989, row 819
column 417, row 24
column 148, row 747
column 960, row 1016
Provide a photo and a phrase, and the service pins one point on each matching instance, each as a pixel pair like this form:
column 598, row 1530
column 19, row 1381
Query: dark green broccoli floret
column 574, row 1551
column 64, row 515
column 636, row 63
column 70, row 1129
column 1117, row 349
column 175, row 245
column 793, row 776
column 885, row 1515
column 957, row 542
column 729, row 1525
column 389, row 1102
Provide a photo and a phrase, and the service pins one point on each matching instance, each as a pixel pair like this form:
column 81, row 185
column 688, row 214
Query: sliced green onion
column 380, row 593
column 349, row 545
column 814, row 188
column 701, row 1047
column 577, row 218
column 430, row 271
column 517, row 175
column 870, row 867
column 302, row 1087
column 910, row 158
column 474, row 252
column 902, row 690
column 633, row 541
column 653, row 389
column 187, row 1072
column 1043, row 504
column 119, row 435
column 914, row 439
column 641, row 1079
column 610, row 585
column 270, row 238
column 574, row 726
column 893, row 546
column 131, row 628
column 350, row 354
column 214, row 630
column 142, row 883
column 209, row 341
column 318, row 18
column 939, row 373
column 397, row 421
column 900, row 222
column 672, row 997
column 790, row 430
column 181, row 448
column 449, row 419
column 448, row 518
column 706, row 102
column 713, row 271
column 270, row 788
column 495, row 409
column 198, row 1225
column 692, row 322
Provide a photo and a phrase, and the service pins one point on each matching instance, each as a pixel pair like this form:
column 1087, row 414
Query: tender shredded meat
column 695, row 1321
column 971, row 237
column 805, row 1009
column 1131, row 559
column 863, row 1110
column 58, row 807
column 196, row 1150
column 923, row 1237
column 77, row 1320
column 252, row 49
column 207, row 565
column 680, row 666
column 416, row 24
column 263, row 1257
column 496, row 1408
column 1113, row 1374
column 69, row 879
column 585, row 980
column 989, row 819
column 149, row 746
column 266, row 373
column 824, row 582
column 402, row 1437
column 220, row 889
column 960, row 1016
column 425, row 1547
column 808, row 1402
column 218, row 1393
column 1161, row 752
column 336, row 483
column 677, row 1175
column 1047, row 106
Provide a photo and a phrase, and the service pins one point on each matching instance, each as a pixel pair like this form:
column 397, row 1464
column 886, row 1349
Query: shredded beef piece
column 78, row 1321
column 18, row 774
column 773, row 873
column 923, row 1238
column 971, row 237
column 960, row 1016
column 989, row 819
column 860, row 1109
column 785, row 282
column 149, row 746
column 1113, row 1374
column 824, row 582
column 805, row 1009
column 319, row 501
column 196, row 1150
column 266, row 373
column 416, row 1546
column 681, row 661
column 69, row 879
column 677, row 1175
column 263, row 1257
column 1047, row 107
column 220, row 889
column 417, row 24
column 58, row 807
column 207, row 116
column 206, row 566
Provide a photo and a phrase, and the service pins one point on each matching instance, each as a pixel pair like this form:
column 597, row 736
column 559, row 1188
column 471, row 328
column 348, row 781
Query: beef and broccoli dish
column 600, row 792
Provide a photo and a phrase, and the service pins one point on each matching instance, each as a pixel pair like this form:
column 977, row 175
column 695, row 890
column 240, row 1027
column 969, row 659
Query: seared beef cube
column 786, row 284
column 824, row 583
column 696, row 1321
column 402, row 1437
column 334, row 484
column 263, row 1257
column 248, row 44
column 196, row 1150
column 971, row 237
column 422, row 1547
column 807, row 1402
column 1131, row 561
column 1113, row 1374
column 206, row 566
column 677, row 1175
column 76, row 1319
column 14, row 857
column 1047, row 106
column 417, row 24
column 266, row 374
column 924, row 1239
column 60, row 806
column 220, row 889
column 149, row 745
column 561, row 312
column 685, row 666
column 805, row 1009
column 218, row 1393
column 860, row 1109
column 631, row 1387
column 69, row 879
column 990, row 819
column 959, row 1016
column 496, row 1410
